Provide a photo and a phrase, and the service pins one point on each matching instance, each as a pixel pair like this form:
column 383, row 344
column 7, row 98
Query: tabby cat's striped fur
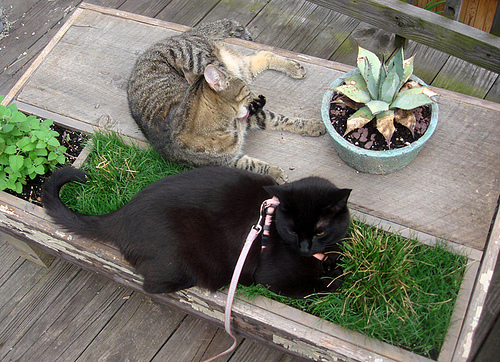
column 189, row 94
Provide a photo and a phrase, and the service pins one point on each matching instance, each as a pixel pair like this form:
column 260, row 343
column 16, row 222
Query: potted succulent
column 381, row 96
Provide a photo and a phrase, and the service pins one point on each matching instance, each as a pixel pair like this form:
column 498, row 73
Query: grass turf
column 117, row 171
column 396, row 290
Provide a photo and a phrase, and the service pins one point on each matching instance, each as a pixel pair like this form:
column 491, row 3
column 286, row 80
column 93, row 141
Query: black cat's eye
column 320, row 233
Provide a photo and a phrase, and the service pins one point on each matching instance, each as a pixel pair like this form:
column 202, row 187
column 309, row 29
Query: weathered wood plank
column 489, row 349
column 457, row 319
column 330, row 34
column 67, row 318
column 465, row 78
column 33, row 24
column 277, row 27
column 249, row 352
column 220, row 342
column 129, row 336
column 432, row 66
column 12, row 286
column 494, row 92
column 428, row 61
column 81, row 309
column 482, row 286
column 82, row 257
column 149, row 8
column 308, row 29
column 242, row 11
column 485, row 329
column 9, row 257
column 40, row 57
column 27, row 306
column 199, row 333
column 52, row 304
column 426, row 27
column 185, row 12
column 27, row 252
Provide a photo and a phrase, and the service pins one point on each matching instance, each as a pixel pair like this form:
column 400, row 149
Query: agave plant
column 385, row 92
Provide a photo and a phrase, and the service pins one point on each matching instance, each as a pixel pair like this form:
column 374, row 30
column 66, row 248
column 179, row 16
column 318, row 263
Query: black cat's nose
column 305, row 247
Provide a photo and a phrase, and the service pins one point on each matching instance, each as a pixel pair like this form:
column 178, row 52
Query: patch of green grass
column 396, row 290
column 117, row 172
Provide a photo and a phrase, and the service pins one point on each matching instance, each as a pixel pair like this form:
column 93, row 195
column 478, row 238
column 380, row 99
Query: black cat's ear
column 277, row 190
column 215, row 78
column 340, row 197
column 344, row 195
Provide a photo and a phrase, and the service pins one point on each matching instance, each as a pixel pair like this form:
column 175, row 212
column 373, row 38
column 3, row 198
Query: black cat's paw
column 257, row 104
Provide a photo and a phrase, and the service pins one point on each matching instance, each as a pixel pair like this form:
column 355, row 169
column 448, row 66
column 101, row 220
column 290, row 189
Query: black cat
column 188, row 229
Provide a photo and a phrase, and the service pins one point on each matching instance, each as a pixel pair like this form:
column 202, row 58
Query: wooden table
column 449, row 191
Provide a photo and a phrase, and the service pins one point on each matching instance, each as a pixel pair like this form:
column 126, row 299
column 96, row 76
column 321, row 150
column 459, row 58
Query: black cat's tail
column 81, row 224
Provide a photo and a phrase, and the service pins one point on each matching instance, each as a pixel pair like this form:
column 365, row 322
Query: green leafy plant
column 384, row 92
column 28, row 147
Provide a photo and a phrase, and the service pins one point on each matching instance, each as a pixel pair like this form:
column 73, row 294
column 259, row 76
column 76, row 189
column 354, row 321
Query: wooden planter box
column 80, row 81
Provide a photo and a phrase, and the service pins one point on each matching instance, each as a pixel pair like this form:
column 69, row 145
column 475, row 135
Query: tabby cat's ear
column 190, row 76
column 215, row 78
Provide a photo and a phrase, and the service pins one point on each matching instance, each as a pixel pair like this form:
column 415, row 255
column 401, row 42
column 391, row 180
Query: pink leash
column 268, row 205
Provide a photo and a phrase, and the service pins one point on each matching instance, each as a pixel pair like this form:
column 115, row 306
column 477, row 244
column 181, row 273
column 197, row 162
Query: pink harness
column 268, row 207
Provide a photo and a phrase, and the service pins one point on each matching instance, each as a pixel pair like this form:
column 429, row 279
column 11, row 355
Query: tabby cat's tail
column 81, row 224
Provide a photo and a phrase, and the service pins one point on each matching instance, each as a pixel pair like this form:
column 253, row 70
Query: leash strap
column 252, row 235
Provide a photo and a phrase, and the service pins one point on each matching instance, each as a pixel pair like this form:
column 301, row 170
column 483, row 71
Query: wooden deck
column 65, row 313
column 70, row 314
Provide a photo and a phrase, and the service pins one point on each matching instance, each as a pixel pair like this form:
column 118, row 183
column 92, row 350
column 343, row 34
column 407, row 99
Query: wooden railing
column 438, row 32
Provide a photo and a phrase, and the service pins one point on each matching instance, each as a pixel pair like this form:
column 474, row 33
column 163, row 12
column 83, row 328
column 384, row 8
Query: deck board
column 129, row 335
column 35, row 23
column 186, row 12
column 70, row 324
column 29, row 304
column 466, row 78
column 199, row 334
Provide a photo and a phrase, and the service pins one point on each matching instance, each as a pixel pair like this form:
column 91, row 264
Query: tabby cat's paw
column 313, row 128
column 241, row 32
column 296, row 70
column 257, row 104
column 277, row 174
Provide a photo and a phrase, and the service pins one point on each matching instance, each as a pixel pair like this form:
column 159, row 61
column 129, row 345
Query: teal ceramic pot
column 369, row 161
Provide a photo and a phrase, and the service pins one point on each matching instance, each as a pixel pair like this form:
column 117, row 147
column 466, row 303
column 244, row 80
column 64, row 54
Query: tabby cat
column 188, row 229
column 189, row 94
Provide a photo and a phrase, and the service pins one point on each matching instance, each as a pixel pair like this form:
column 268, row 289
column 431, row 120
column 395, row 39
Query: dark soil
column 367, row 136
column 74, row 141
